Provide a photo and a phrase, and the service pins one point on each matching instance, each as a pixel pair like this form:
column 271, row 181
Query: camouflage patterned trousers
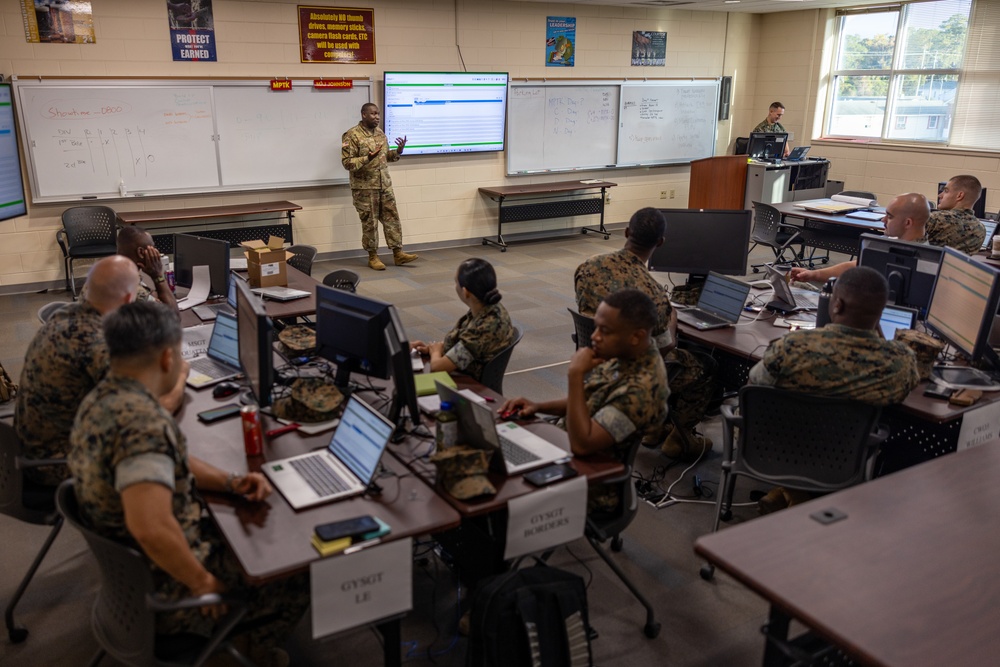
column 374, row 206
column 691, row 387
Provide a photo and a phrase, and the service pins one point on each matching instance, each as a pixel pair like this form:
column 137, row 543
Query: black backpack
column 536, row 617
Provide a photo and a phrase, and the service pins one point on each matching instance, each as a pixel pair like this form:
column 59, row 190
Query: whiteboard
column 83, row 137
column 567, row 125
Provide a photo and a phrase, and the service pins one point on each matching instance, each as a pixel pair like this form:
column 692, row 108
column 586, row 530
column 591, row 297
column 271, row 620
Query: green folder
column 424, row 382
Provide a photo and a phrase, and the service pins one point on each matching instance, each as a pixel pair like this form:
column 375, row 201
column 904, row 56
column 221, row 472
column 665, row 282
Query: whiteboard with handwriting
column 572, row 125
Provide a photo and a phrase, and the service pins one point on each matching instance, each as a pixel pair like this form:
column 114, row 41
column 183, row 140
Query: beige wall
column 438, row 196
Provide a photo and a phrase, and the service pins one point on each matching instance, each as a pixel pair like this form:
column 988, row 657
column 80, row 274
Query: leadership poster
column 560, row 41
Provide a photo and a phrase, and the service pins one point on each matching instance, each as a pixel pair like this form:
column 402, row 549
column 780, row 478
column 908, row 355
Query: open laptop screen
column 360, row 439
column 723, row 296
column 224, row 344
column 895, row 318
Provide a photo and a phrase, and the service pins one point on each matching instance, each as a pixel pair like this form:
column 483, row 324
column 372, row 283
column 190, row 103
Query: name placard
column 364, row 587
column 551, row 516
column 979, row 426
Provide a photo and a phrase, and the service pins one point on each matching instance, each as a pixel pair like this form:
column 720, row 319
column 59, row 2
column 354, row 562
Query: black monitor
column 256, row 337
column 767, row 145
column 405, row 394
column 191, row 251
column 697, row 241
column 911, row 269
column 964, row 303
column 979, row 208
column 350, row 331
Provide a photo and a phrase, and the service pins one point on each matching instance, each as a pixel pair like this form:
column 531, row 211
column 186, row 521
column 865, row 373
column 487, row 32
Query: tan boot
column 400, row 257
column 374, row 262
column 685, row 446
column 774, row 501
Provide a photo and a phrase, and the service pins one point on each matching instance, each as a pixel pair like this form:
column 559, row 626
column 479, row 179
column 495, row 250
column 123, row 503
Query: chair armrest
column 22, row 463
column 63, row 242
column 730, row 421
column 158, row 604
column 879, row 436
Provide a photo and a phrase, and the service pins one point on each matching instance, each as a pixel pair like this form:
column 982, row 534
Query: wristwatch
column 159, row 279
column 230, row 480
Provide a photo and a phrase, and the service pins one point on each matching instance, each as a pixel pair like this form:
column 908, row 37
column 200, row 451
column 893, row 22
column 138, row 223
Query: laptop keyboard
column 211, row 368
column 323, row 479
column 695, row 316
column 514, row 453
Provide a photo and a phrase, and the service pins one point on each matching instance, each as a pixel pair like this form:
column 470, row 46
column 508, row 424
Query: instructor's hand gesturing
column 400, row 143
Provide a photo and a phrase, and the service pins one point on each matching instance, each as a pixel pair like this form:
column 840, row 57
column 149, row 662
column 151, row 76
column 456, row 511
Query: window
column 896, row 63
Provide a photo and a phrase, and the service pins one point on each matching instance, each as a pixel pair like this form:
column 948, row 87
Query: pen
column 354, row 548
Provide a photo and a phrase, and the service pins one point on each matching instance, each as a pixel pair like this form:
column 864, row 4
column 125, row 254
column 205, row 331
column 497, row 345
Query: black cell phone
column 218, row 414
column 550, row 474
column 353, row 528
column 938, row 391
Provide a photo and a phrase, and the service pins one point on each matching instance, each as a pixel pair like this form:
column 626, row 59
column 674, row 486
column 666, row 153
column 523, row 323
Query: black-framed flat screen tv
column 12, row 202
column 446, row 112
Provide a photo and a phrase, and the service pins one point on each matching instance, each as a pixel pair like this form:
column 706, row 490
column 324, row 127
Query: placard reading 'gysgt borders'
column 336, row 34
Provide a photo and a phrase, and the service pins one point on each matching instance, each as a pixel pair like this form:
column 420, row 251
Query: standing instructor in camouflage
column 366, row 155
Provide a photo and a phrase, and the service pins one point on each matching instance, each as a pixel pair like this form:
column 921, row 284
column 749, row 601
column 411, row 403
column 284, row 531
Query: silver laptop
column 280, row 293
column 895, row 318
column 720, row 304
column 222, row 360
column 516, row 447
column 208, row 313
column 786, row 299
column 344, row 469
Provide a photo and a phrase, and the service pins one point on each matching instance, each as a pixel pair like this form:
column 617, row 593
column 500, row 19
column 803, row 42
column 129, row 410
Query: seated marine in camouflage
column 953, row 223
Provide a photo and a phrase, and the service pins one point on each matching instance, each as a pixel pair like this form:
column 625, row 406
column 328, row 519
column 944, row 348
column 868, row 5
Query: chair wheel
column 485, row 242
column 825, row 260
column 504, row 249
column 756, row 270
column 17, row 634
column 584, row 231
column 707, row 572
column 652, row 630
column 606, row 237
column 726, row 515
column 616, row 543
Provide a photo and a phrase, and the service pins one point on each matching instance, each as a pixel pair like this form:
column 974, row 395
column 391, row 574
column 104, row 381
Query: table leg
column 500, row 243
column 391, row 641
column 777, row 627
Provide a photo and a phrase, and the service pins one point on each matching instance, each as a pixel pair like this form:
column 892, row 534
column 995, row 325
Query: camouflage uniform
column 764, row 126
column 958, row 228
column 476, row 339
column 691, row 390
column 371, row 186
column 122, row 436
column 65, row 360
column 839, row 362
column 628, row 398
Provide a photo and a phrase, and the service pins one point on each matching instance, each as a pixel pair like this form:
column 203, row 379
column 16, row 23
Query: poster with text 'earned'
column 192, row 30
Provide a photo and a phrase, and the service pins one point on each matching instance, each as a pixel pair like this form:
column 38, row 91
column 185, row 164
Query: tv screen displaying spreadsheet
column 12, row 202
column 446, row 112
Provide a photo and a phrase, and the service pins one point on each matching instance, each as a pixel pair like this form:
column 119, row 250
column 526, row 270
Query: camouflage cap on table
column 310, row 400
column 462, row 471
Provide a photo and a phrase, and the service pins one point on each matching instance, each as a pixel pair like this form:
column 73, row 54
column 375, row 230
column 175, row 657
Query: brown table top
column 275, row 309
column 165, row 215
column 795, row 210
column 543, row 188
column 909, row 578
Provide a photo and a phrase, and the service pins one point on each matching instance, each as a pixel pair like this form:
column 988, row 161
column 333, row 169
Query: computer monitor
column 767, row 145
column 405, row 392
column 697, row 241
column 911, row 269
column 979, row 208
column 350, row 331
column 964, row 303
column 191, row 251
column 256, row 337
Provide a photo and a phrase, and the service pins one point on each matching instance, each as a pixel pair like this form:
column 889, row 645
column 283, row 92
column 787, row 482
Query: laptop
column 798, row 153
column 208, row 313
column 786, row 299
column 895, row 318
column 280, row 293
column 991, row 228
column 222, row 360
column 516, row 449
column 720, row 304
column 344, row 469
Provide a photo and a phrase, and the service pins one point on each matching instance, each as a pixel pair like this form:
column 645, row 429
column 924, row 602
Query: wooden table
column 275, row 309
column 909, row 578
column 546, row 200
column 838, row 233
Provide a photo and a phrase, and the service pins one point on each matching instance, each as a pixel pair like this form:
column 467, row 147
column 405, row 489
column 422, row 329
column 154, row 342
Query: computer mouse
column 224, row 389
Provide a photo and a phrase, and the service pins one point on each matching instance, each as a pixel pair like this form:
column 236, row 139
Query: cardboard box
column 267, row 262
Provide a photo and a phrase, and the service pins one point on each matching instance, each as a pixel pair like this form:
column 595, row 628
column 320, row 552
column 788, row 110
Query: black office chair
column 584, row 327
column 769, row 231
column 795, row 440
column 89, row 232
column 344, row 279
column 124, row 615
column 604, row 526
column 494, row 369
column 741, row 146
column 302, row 258
column 22, row 499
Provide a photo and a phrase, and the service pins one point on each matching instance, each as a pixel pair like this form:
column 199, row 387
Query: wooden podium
column 718, row 182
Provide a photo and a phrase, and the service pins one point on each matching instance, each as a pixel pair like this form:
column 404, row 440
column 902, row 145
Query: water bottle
column 169, row 275
column 446, row 434
column 823, row 304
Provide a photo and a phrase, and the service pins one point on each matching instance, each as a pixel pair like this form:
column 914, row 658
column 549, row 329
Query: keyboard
column 698, row 318
column 209, row 312
column 514, row 453
column 211, row 368
column 319, row 475
column 806, row 298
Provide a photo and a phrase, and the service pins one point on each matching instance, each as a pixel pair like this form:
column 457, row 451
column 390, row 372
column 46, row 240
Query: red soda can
column 253, row 439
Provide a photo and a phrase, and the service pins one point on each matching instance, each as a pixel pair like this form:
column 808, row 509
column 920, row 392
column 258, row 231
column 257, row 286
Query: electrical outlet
column 673, row 193
column 663, row 194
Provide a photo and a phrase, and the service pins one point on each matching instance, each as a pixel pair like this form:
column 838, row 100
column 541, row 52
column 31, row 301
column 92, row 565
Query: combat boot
column 400, row 257
column 374, row 262
column 687, row 447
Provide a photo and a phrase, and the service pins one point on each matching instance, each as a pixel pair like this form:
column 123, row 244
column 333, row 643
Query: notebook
column 516, row 449
column 222, row 360
column 344, row 469
column 280, row 293
column 207, row 313
column 895, row 318
column 798, row 153
column 786, row 299
column 425, row 383
column 720, row 304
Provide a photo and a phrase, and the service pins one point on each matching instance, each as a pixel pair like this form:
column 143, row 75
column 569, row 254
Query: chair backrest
column 766, row 220
column 608, row 525
column 584, row 327
column 742, row 144
column 494, row 369
column 50, row 309
column 302, row 257
column 89, row 226
column 858, row 193
column 804, row 442
column 121, row 621
column 344, row 279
